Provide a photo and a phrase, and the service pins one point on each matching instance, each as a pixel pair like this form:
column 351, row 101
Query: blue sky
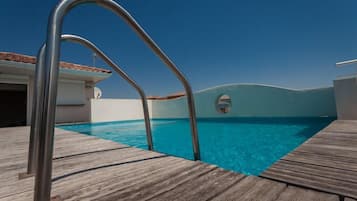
column 286, row 43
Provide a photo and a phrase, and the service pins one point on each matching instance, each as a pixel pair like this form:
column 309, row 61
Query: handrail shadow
column 106, row 166
column 89, row 152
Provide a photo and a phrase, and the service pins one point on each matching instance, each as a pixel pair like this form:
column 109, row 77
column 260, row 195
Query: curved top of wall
column 254, row 100
column 233, row 85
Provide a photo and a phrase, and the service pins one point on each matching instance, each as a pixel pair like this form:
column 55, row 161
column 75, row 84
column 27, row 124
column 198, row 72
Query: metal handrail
column 36, row 112
column 340, row 64
column 44, row 170
column 38, row 97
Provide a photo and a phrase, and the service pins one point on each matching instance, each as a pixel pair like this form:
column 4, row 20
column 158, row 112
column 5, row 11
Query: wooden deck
column 88, row 168
column 326, row 162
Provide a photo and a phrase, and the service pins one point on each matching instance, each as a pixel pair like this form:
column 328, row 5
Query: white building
column 76, row 88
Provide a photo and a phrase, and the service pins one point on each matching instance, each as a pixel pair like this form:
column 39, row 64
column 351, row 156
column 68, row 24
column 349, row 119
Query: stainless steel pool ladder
column 51, row 63
column 38, row 97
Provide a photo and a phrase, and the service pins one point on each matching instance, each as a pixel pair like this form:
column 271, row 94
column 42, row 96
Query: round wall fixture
column 223, row 104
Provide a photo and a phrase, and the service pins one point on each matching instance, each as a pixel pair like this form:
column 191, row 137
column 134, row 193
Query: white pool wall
column 248, row 100
column 253, row 100
column 104, row 110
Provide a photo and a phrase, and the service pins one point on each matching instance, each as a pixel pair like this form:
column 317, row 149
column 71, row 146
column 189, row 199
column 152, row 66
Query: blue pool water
column 245, row 145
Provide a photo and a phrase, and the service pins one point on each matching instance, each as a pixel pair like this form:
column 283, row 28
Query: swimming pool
column 245, row 145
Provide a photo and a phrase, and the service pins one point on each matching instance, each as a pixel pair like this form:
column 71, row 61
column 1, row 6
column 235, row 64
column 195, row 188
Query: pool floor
column 245, row 145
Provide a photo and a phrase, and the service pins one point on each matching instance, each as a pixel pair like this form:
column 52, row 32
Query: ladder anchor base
column 25, row 175
column 56, row 198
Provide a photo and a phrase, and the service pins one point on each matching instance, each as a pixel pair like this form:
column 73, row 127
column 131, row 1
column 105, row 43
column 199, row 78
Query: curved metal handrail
column 38, row 97
column 117, row 69
column 44, row 170
column 342, row 63
column 36, row 112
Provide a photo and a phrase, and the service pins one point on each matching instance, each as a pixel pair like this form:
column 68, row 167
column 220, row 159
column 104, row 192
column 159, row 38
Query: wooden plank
column 120, row 181
column 337, row 151
column 322, row 160
column 339, row 187
column 83, row 161
column 348, row 126
column 78, row 164
column 71, row 187
column 78, row 144
column 252, row 188
column 203, row 187
column 298, row 194
column 321, row 171
column 98, row 175
column 338, row 135
column 327, row 161
column 16, row 187
column 156, row 187
column 349, row 199
column 26, row 196
column 326, row 147
column 116, row 188
column 21, row 159
column 334, row 141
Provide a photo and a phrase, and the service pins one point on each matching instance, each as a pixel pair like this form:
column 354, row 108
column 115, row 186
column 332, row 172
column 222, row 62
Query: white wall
column 248, row 100
column 103, row 110
column 76, row 113
column 346, row 98
column 71, row 92
column 252, row 100
column 73, row 101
